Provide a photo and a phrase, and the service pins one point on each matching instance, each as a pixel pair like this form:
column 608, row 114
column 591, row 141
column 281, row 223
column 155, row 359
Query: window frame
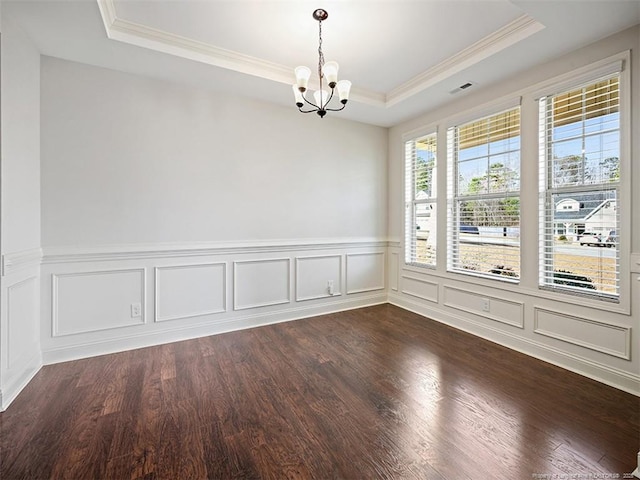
column 454, row 197
column 616, row 64
column 526, row 96
column 411, row 202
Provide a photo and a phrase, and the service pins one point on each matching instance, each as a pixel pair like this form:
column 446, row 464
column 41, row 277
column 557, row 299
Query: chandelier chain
column 320, row 54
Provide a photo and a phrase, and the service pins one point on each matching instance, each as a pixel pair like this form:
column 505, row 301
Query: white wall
column 212, row 213
column 126, row 159
column 597, row 339
column 20, row 243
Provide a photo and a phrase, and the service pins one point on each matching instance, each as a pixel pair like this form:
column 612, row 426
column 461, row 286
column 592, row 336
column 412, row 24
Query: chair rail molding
column 14, row 261
column 98, row 253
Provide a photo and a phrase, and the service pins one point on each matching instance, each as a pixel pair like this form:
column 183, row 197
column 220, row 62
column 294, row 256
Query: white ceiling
column 403, row 57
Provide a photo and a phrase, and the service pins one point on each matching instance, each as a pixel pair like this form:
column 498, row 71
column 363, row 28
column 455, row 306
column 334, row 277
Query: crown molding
column 177, row 45
column 159, row 40
column 512, row 33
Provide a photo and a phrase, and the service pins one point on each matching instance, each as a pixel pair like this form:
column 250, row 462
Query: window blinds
column 579, row 189
column 484, row 209
column 420, row 201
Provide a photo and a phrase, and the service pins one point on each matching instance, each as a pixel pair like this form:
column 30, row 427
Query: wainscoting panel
column 592, row 334
column 22, row 302
column 420, row 288
column 185, row 291
column 260, row 283
column 98, row 300
column 494, row 308
column 313, row 274
column 365, row 272
column 635, row 262
column 90, row 295
column 394, row 260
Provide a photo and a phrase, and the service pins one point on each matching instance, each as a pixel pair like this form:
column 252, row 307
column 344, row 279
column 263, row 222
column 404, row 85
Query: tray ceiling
column 403, row 57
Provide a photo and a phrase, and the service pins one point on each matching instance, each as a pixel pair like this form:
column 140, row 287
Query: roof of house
column 589, row 203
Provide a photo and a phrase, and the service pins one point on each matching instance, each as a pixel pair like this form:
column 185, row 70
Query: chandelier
column 327, row 72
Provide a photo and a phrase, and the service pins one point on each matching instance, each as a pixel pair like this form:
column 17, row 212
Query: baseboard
column 8, row 393
column 253, row 320
column 588, row 368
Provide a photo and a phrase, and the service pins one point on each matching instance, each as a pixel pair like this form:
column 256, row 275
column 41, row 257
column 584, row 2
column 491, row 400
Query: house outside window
column 484, row 196
column 421, row 201
column 580, row 168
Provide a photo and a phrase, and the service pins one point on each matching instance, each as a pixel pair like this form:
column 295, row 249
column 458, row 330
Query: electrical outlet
column 486, row 306
column 136, row 310
column 330, row 287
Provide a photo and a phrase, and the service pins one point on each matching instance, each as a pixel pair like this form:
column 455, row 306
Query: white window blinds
column 484, row 196
column 420, row 201
column 579, row 189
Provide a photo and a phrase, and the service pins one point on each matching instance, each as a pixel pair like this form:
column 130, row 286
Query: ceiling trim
column 148, row 37
column 172, row 44
column 510, row 34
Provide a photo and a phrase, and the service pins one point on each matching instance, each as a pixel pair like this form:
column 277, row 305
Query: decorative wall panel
column 315, row 274
column 185, row 291
column 418, row 287
column 494, row 308
column 22, row 305
column 365, row 272
column 596, row 335
column 99, row 300
column 394, row 260
column 260, row 283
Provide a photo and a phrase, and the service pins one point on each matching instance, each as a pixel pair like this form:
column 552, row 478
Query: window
column 580, row 166
column 568, row 204
column 484, row 201
column 420, row 201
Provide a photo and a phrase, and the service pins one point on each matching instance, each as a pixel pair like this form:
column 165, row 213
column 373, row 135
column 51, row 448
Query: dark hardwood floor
column 371, row 393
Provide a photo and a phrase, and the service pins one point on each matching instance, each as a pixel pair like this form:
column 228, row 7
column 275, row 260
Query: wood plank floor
column 371, row 393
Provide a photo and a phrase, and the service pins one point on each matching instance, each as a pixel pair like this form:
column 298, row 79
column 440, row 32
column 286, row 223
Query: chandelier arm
column 307, row 111
column 311, row 103
column 336, row 109
column 330, row 97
